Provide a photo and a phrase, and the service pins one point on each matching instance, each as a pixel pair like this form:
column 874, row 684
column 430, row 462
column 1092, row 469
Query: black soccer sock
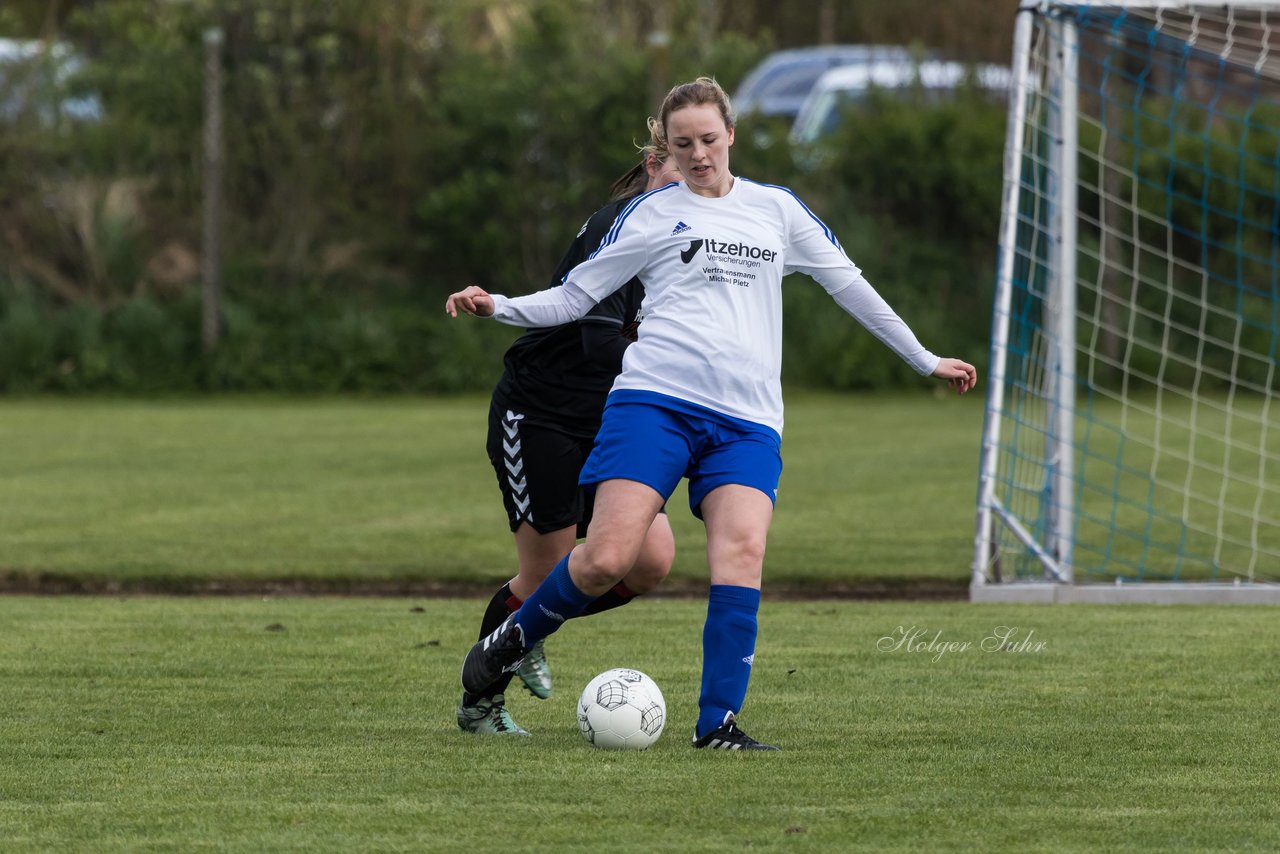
column 500, row 607
column 615, row 597
column 503, row 604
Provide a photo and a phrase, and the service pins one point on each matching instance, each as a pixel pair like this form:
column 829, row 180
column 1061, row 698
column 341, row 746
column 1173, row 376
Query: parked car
column 779, row 84
column 36, row 76
column 839, row 88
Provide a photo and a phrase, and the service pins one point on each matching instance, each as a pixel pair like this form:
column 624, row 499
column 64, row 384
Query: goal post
column 1131, row 444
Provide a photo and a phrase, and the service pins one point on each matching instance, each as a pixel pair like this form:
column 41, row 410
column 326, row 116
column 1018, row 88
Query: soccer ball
column 621, row 709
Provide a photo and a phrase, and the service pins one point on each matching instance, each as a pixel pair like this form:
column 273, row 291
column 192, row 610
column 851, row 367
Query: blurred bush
column 381, row 154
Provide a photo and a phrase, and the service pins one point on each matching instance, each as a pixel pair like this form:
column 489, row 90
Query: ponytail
column 634, row 180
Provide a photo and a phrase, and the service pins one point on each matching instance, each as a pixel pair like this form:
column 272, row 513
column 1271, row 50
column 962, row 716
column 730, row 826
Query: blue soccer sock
column 557, row 599
column 728, row 650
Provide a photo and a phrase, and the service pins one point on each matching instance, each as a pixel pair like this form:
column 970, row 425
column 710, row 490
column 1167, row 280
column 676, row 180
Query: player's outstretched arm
column 961, row 376
column 472, row 299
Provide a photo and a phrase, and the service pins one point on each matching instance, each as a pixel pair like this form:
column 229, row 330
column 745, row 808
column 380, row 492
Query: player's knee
column 652, row 566
column 738, row 561
column 605, row 564
column 746, row 550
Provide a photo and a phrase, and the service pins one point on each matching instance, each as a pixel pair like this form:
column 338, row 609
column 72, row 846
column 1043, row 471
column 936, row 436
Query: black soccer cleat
column 729, row 737
column 499, row 653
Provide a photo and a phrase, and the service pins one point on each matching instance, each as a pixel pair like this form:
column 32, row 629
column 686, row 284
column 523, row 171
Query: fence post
column 211, row 266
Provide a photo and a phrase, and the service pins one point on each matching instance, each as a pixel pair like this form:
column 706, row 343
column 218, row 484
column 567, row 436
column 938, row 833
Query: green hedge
column 381, row 154
column 297, row 344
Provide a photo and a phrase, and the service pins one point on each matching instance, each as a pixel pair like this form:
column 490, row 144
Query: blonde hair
column 704, row 90
column 634, row 180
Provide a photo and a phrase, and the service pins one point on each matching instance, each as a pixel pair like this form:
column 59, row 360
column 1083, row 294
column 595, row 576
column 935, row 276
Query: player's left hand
column 472, row 299
column 961, row 376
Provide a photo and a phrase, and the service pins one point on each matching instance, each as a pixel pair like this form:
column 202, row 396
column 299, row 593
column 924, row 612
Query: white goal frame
column 1050, row 543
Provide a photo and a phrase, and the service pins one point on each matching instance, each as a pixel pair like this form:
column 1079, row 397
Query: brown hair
column 704, row 90
column 634, row 180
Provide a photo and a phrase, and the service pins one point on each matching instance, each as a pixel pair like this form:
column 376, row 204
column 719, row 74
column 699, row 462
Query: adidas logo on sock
column 680, row 227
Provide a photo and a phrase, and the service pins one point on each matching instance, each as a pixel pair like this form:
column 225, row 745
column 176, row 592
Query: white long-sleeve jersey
column 713, row 271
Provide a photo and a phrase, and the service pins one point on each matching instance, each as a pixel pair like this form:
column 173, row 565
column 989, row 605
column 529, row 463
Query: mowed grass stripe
column 250, row 724
column 178, row 495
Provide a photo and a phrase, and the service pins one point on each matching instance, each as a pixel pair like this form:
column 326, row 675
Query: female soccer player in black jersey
column 543, row 419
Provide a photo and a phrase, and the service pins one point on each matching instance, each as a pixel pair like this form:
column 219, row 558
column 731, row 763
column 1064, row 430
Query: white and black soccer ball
column 622, row 709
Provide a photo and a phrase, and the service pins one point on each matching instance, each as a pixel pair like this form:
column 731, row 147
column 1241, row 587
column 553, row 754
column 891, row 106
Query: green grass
column 265, row 724
column 275, row 724
column 176, row 495
column 1194, row 485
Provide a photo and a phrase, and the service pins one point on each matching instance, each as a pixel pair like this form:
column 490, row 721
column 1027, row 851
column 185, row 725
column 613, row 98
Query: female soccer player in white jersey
column 699, row 395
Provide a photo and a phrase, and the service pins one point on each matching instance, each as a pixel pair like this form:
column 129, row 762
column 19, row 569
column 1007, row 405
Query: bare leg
column 623, row 515
column 537, row 554
column 657, row 553
column 737, row 519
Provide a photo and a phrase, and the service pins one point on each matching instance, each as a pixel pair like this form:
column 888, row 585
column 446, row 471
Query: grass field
column 324, row 724
column 277, row 723
column 182, row 495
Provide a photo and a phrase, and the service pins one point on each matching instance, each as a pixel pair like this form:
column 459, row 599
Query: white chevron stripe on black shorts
column 512, row 460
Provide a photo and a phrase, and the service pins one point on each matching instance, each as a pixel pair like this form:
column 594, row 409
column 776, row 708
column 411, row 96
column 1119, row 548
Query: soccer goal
column 1131, row 447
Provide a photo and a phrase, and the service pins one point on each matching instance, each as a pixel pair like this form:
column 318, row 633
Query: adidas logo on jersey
column 680, row 228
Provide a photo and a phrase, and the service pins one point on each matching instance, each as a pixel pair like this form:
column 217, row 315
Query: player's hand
column 961, row 376
column 473, row 300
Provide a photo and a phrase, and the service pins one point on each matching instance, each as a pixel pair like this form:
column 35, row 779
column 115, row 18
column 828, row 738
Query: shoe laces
column 501, row 717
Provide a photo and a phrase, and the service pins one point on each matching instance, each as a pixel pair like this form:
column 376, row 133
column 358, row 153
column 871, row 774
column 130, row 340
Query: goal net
column 1131, row 446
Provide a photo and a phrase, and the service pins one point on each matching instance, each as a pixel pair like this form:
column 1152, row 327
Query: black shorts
column 537, row 469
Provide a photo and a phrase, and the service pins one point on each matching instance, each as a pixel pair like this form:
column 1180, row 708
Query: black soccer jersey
column 560, row 376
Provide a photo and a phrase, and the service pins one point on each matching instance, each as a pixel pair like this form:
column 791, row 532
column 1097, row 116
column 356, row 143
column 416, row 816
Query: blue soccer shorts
column 656, row 440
